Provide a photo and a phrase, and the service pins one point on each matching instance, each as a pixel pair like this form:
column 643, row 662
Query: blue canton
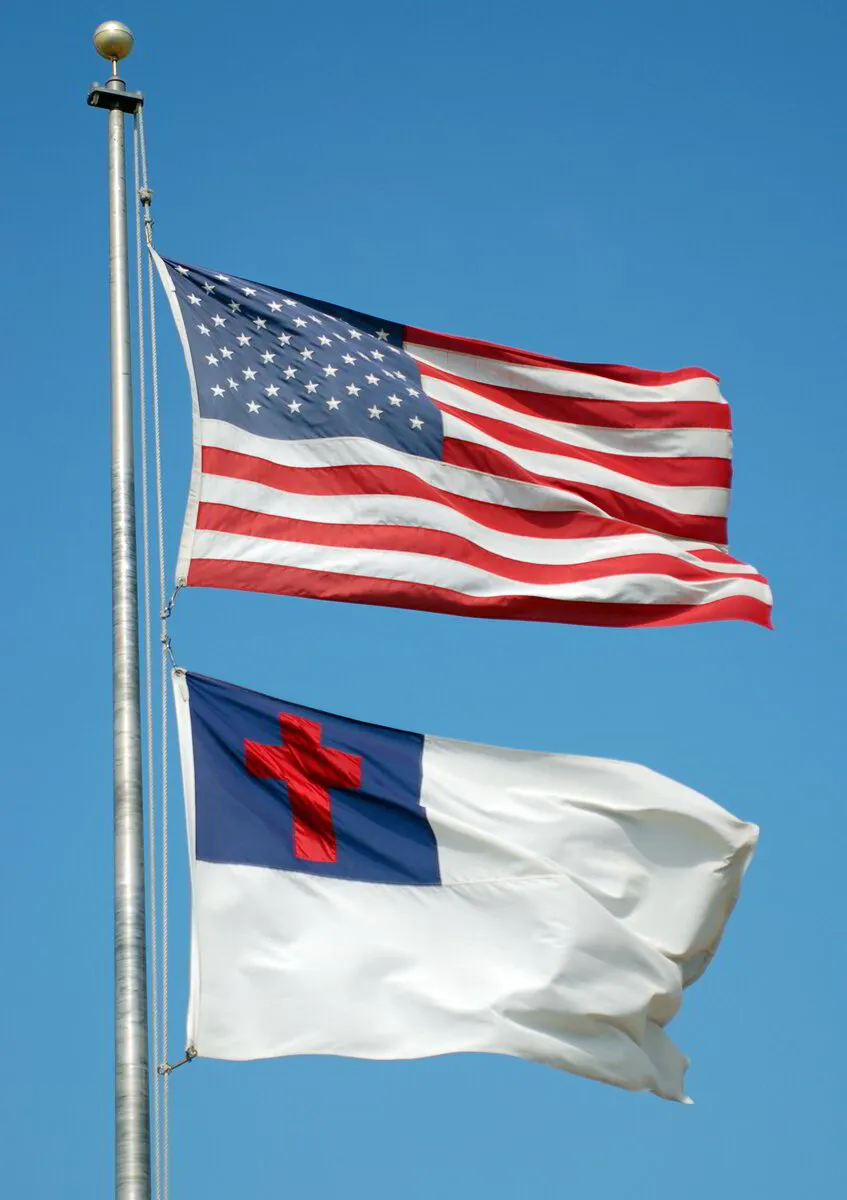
column 282, row 365
column 382, row 830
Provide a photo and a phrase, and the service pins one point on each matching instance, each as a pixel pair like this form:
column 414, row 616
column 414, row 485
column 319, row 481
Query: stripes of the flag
column 567, row 492
column 351, row 519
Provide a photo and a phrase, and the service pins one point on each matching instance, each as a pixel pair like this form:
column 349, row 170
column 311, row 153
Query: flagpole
column 132, row 1129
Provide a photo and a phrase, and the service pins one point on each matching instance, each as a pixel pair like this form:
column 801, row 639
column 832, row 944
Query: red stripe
column 664, row 472
column 604, row 414
column 393, row 481
column 509, row 354
column 414, row 540
column 322, row 585
column 637, row 512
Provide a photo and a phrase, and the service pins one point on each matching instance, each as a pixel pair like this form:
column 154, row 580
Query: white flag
column 369, row 892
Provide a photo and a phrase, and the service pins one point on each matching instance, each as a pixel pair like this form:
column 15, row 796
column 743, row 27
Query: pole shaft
column 132, row 1129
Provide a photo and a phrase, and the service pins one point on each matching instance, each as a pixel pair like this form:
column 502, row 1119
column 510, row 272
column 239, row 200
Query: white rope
column 164, row 612
column 148, row 668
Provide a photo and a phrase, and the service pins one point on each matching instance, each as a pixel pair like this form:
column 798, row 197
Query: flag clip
column 166, row 1068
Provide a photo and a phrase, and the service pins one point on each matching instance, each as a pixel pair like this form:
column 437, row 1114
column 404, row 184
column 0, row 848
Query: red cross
column 309, row 769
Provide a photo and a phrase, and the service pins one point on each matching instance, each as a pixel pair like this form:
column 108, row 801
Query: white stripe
column 645, row 443
column 408, row 512
column 560, row 381
column 467, row 580
column 690, row 501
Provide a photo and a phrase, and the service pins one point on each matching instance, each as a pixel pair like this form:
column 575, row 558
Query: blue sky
column 658, row 184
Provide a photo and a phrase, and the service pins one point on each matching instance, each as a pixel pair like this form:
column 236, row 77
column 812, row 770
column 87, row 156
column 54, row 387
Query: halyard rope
column 156, row 1083
column 161, row 1084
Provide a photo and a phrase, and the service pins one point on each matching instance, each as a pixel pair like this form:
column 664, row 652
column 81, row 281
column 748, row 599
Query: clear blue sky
column 655, row 183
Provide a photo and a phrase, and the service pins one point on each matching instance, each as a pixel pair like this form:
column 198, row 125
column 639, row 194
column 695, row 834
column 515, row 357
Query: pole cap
column 113, row 40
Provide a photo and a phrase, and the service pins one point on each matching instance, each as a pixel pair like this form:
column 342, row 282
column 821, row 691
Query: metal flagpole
column 132, row 1129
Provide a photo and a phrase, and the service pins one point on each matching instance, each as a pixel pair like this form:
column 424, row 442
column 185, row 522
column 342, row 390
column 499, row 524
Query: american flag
column 342, row 457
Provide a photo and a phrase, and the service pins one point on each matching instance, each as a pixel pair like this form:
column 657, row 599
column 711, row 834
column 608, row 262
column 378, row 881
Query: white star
column 291, row 303
column 317, row 320
column 226, row 352
column 203, row 330
column 284, row 339
column 340, row 336
column 243, row 339
column 249, row 373
column 211, row 360
column 267, row 357
column 395, row 400
column 395, row 349
column 387, row 374
column 349, row 359
column 273, row 390
column 217, row 391
column 253, row 406
column 376, row 354
column 260, row 322
column 275, row 306
column 330, row 371
column 375, row 412
column 219, row 320
column 413, row 391
column 324, row 340
column 232, row 383
column 333, row 403
column 352, row 390
column 399, row 375
column 192, row 299
column 416, row 422
column 354, row 333
column 311, row 387
column 182, row 270
column 210, row 287
column 307, row 353
column 249, row 291
column 235, row 306
column 300, row 323
column 382, row 334
column 290, row 372
column 223, row 278
column 295, row 406
column 372, row 379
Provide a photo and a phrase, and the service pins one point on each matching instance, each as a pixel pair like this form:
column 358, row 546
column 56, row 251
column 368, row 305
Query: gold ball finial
column 113, row 40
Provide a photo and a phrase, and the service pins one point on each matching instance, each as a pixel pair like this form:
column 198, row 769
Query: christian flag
column 339, row 456
column 369, row 892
